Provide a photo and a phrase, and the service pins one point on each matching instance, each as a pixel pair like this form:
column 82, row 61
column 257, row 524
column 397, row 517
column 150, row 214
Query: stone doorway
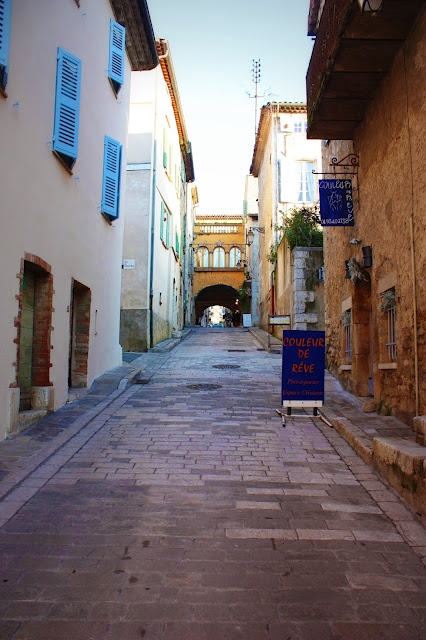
column 34, row 344
column 79, row 335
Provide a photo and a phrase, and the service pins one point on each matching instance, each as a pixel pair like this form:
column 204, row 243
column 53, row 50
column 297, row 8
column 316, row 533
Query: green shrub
column 302, row 228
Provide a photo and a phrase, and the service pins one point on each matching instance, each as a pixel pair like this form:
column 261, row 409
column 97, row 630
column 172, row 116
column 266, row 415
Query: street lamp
column 250, row 234
column 370, row 6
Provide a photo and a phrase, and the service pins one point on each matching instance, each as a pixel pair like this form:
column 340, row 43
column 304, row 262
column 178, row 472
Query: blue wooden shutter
column 67, row 107
column 168, row 230
column 117, row 41
column 5, row 11
column 111, row 177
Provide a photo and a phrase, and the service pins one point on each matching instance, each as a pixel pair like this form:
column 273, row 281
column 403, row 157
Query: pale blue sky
column 213, row 44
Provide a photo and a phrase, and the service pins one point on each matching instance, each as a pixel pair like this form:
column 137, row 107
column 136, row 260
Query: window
column 165, row 149
column 67, row 108
column 305, row 182
column 117, row 41
column 300, row 127
column 347, row 336
column 234, row 257
column 219, row 257
column 111, row 178
column 165, row 224
column 202, row 257
column 5, row 11
column 388, row 324
column 177, row 245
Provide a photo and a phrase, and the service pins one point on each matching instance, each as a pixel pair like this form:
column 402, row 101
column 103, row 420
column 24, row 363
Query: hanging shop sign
column 303, row 362
column 336, row 203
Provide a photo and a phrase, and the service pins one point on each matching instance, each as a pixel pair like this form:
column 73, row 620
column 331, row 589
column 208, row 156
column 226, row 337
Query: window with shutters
column 165, row 224
column 5, row 12
column 111, row 179
column 67, row 108
column 117, row 42
column 177, row 245
column 306, row 188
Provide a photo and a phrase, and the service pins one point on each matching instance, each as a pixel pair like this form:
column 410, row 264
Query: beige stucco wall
column 277, row 197
column 267, row 205
column 151, row 112
column 390, row 200
column 46, row 211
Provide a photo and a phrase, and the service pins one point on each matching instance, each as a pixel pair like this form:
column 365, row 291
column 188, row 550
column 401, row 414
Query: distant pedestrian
column 236, row 318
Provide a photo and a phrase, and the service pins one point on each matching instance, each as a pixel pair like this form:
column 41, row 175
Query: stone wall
column 298, row 291
column 390, row 205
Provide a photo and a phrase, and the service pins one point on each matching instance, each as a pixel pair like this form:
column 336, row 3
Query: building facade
column 369, row 107
column 64, row 93
column 251, row 216
column 158, row 203
column 284, row 162
column 219, row 257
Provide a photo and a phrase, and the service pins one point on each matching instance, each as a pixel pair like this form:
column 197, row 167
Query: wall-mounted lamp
column 250, row 234
column 370, row 6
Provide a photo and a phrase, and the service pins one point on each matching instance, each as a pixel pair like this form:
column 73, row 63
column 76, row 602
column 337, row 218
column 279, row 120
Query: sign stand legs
column 316, row 413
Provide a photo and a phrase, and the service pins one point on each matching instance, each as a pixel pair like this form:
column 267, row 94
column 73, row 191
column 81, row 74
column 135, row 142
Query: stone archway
column 217, row 294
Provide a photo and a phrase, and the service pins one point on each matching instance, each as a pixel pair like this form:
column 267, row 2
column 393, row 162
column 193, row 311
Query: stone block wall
column 390, row 204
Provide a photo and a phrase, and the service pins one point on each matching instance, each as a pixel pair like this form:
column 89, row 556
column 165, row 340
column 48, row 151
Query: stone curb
column 402, row 463
column 352, row 434
column 171, row 343
column 262, row 338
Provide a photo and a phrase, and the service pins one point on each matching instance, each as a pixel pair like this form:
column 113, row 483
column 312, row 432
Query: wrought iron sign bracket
column 350, row 161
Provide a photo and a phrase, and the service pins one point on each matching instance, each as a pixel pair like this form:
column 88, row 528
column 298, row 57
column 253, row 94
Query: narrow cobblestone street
column 185, row 511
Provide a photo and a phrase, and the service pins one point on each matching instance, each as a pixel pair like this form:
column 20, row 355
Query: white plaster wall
column 150, row 112
column 45, row 210
column 135, row 285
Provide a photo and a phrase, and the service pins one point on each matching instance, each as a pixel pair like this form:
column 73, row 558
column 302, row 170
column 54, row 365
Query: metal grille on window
column 347, row 318
column 391, row 341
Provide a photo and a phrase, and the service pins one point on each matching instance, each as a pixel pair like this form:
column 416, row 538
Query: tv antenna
column 255, row 72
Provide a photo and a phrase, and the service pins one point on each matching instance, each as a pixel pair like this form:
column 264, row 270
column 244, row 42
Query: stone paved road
column 184, row 511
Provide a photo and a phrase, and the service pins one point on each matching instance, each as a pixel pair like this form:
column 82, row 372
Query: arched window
column 234, row 257
column 219, row 257
column 202, row 257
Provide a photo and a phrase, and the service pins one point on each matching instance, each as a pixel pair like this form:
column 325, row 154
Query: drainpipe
column 153, row 203
column 412, row 251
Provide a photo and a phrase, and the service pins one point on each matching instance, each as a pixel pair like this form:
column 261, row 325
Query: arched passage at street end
column 217, row 294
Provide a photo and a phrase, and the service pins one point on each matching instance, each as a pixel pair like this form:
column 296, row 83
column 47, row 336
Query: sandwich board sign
column 303, row 361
